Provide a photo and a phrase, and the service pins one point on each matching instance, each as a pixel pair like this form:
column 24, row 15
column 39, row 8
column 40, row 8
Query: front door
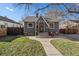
column 41, row 27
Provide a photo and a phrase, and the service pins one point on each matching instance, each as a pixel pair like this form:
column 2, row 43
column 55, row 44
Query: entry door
column 41, row 27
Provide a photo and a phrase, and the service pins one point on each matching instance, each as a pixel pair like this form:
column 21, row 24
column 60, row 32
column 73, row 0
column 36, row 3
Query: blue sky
column 17, row 13
column 10, row 11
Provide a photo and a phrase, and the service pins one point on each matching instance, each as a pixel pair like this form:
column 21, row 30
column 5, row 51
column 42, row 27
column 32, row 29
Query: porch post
column 35, row 29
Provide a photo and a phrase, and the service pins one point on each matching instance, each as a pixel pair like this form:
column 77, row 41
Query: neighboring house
column 71, row 24
column 34, row 25
column 6, row 22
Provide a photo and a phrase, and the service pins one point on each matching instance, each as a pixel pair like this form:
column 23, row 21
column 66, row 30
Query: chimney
column 37, row 15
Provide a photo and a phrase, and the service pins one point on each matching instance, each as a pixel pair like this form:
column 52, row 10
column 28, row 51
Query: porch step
column 43, row 35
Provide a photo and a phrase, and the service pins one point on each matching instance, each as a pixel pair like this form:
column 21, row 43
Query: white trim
column 29, row 23
column 46, row 22
column 43, row 27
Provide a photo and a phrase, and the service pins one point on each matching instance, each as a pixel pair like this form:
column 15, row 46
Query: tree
column 69, row 8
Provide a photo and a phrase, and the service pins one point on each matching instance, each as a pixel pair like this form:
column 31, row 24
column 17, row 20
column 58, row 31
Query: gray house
column 33, row 25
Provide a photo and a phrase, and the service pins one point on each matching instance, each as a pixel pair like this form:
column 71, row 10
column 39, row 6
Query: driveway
column 49, row 48
column 72, row 36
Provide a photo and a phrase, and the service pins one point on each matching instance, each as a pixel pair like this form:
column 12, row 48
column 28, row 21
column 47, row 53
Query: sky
column 9, row 10
column 17, row 13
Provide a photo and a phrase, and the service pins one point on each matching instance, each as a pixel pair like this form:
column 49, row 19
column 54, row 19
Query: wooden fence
column 68, row 31
column 3, row 32
column 15, row 31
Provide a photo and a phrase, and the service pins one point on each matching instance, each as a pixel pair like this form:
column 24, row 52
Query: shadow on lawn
column 8, row 38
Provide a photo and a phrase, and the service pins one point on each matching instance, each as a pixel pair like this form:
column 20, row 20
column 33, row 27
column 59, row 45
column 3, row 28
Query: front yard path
column 49, row 48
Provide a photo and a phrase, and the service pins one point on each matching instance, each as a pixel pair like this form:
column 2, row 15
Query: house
column 77, row 26
column 33, row 25
column 6, row 22
column 71, row 24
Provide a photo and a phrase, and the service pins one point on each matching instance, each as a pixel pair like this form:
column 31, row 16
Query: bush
column 68, row 31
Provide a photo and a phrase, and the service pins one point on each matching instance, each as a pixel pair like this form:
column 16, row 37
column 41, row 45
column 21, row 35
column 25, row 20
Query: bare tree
column 69, row 8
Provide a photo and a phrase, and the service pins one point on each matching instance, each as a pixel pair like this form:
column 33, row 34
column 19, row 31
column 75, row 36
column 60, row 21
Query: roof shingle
column 8, row 20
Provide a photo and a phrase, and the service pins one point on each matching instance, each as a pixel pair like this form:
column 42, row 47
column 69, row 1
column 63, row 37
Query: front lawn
column 22, row 47
column 66, row 47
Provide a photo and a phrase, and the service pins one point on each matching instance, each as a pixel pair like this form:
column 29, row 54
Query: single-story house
column 33, row 25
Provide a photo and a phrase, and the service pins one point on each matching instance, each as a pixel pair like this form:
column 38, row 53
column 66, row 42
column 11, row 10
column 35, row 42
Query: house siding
column 56, row 27
column 29, row 31
column 46, row 28
column 35, row 29
column 9, row 24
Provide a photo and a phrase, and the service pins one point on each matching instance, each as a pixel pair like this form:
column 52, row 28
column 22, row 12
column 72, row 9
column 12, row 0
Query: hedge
column 68, row 31
column 15, row 31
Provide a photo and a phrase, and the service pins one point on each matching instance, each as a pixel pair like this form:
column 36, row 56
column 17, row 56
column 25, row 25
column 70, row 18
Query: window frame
column 53, row 27
column 2, row 26
column 30, row 23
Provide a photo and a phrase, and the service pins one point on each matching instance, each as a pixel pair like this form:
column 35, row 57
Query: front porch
column 45, row 35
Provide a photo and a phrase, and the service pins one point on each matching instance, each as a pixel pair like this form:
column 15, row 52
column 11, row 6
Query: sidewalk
column 49, row 48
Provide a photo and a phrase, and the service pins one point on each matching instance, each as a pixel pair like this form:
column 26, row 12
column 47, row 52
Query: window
column 30, row 25
column 2, row 26
column 56, row 25
column 6, row 24
column 51, row 25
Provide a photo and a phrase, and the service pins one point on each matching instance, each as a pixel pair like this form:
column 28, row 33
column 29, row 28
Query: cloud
column 10, row 9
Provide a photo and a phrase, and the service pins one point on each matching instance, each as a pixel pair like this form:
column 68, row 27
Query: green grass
column 66, row 47
column 22, row 47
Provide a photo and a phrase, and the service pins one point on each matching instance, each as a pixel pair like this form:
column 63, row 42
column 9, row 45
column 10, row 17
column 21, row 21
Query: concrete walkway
column 49, row 48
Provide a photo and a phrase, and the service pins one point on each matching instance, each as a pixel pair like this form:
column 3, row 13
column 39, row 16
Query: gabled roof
column 46, row 17
column 30, row 19
column 7, row 20
column 34, row 19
